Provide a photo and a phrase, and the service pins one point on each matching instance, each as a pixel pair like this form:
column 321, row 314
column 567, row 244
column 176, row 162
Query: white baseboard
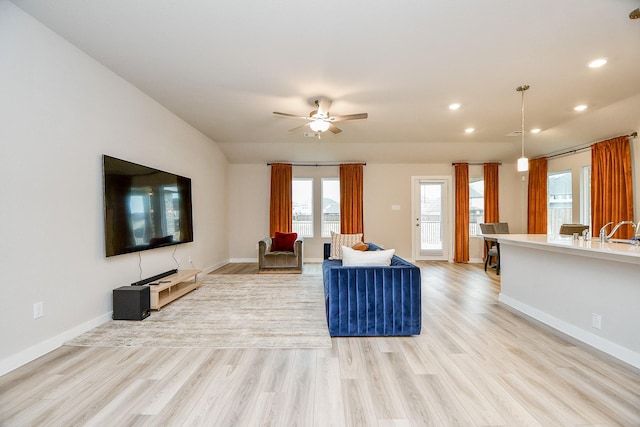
column 236, row 260
column 209, row 269
column 613, row 349
column 14, row 361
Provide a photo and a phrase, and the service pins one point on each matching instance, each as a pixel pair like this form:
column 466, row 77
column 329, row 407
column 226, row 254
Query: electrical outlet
column 596, row 321
column 190, row 262
column 38, row 310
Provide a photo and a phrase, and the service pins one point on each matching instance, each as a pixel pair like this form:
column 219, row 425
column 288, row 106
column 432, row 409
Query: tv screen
column 144, row 208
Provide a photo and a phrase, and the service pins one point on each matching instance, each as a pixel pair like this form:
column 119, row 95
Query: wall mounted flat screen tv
column 144, row 208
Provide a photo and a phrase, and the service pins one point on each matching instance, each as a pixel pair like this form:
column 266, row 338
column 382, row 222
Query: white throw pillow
column 340, row 240
column 352, row 257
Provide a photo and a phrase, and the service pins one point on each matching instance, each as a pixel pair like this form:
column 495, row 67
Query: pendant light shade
column 523, row 162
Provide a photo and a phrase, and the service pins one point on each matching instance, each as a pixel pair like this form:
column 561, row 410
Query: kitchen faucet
column 603, row 232
column 604, row 237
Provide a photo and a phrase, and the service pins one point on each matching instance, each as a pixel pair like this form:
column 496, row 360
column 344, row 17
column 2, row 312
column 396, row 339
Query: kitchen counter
column 614, row 250
column 585, row 289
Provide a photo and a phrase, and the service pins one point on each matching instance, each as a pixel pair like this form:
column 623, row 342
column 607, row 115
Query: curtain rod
column 579, row 148
column 319, row 163
column 476, row 163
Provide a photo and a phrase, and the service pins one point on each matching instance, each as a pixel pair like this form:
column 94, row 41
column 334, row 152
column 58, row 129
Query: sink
column 627, row 241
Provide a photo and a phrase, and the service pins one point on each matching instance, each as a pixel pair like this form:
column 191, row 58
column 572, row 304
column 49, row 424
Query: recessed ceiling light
column 454, row 106
column 469, row 130
column 580, row 107
column 597, row 63
column 536, row 130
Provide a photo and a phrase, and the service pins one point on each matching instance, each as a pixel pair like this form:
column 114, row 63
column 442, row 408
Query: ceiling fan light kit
column 320, row 120
column 319, row 125
column 523, row 162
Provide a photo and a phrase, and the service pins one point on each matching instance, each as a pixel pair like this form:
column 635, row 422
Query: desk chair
column 491, row 244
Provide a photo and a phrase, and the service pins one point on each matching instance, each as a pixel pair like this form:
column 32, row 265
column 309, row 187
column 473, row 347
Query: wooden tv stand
column 172, row 287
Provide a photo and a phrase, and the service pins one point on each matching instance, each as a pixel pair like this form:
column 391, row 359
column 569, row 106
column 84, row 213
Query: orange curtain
column 461, row 250
column 281, row 207
column 351, row 206
column 537, row 197
column 491, row 211
column 611, row 185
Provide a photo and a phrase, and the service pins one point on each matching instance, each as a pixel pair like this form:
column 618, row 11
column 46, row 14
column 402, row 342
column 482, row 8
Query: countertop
column 615, row 251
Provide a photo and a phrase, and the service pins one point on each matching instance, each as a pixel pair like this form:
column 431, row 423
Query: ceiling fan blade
column 333, row 128
column 323, row 106
column 299, row 127
column 276, row 113
column 349, row 117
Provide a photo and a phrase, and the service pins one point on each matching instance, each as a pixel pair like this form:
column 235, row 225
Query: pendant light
column 523, row 162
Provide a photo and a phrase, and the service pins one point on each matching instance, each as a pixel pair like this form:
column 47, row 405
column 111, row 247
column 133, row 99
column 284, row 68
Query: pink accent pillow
column 283, row 242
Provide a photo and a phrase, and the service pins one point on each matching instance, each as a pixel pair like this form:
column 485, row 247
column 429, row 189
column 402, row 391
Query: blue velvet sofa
column 372, row 300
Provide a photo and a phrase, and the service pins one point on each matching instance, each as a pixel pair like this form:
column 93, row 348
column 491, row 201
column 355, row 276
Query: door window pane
column 559, row 201
column 302, row 201
column 330, row 206
column 431, row 238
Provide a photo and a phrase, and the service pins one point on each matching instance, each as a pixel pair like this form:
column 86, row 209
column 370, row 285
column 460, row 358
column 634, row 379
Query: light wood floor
column 475, row 364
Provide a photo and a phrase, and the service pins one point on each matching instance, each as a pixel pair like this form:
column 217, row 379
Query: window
column 559, row 201
column 476, row 205
column 302, row 201
column 585, row 195
column 330, row 206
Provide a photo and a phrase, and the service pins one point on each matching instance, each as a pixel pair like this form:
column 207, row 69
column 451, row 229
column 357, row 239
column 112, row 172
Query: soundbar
column 153, row 278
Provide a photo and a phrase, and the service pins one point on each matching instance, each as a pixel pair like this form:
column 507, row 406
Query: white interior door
column 431, row 206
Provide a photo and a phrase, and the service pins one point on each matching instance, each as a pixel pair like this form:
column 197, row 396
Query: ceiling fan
column 320, row 120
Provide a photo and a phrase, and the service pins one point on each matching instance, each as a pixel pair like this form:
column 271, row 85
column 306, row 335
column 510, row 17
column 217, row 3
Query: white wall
column 248, row 210
column 59, row 112
column 384, row 185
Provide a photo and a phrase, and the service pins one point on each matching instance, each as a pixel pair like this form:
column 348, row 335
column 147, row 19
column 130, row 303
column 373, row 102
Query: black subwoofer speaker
column 131, row 303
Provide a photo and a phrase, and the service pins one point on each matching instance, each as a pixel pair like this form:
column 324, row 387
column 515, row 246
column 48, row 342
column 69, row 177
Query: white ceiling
column 225, row 66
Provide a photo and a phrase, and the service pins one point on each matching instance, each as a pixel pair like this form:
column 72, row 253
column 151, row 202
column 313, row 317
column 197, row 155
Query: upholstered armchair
column 279, row 261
